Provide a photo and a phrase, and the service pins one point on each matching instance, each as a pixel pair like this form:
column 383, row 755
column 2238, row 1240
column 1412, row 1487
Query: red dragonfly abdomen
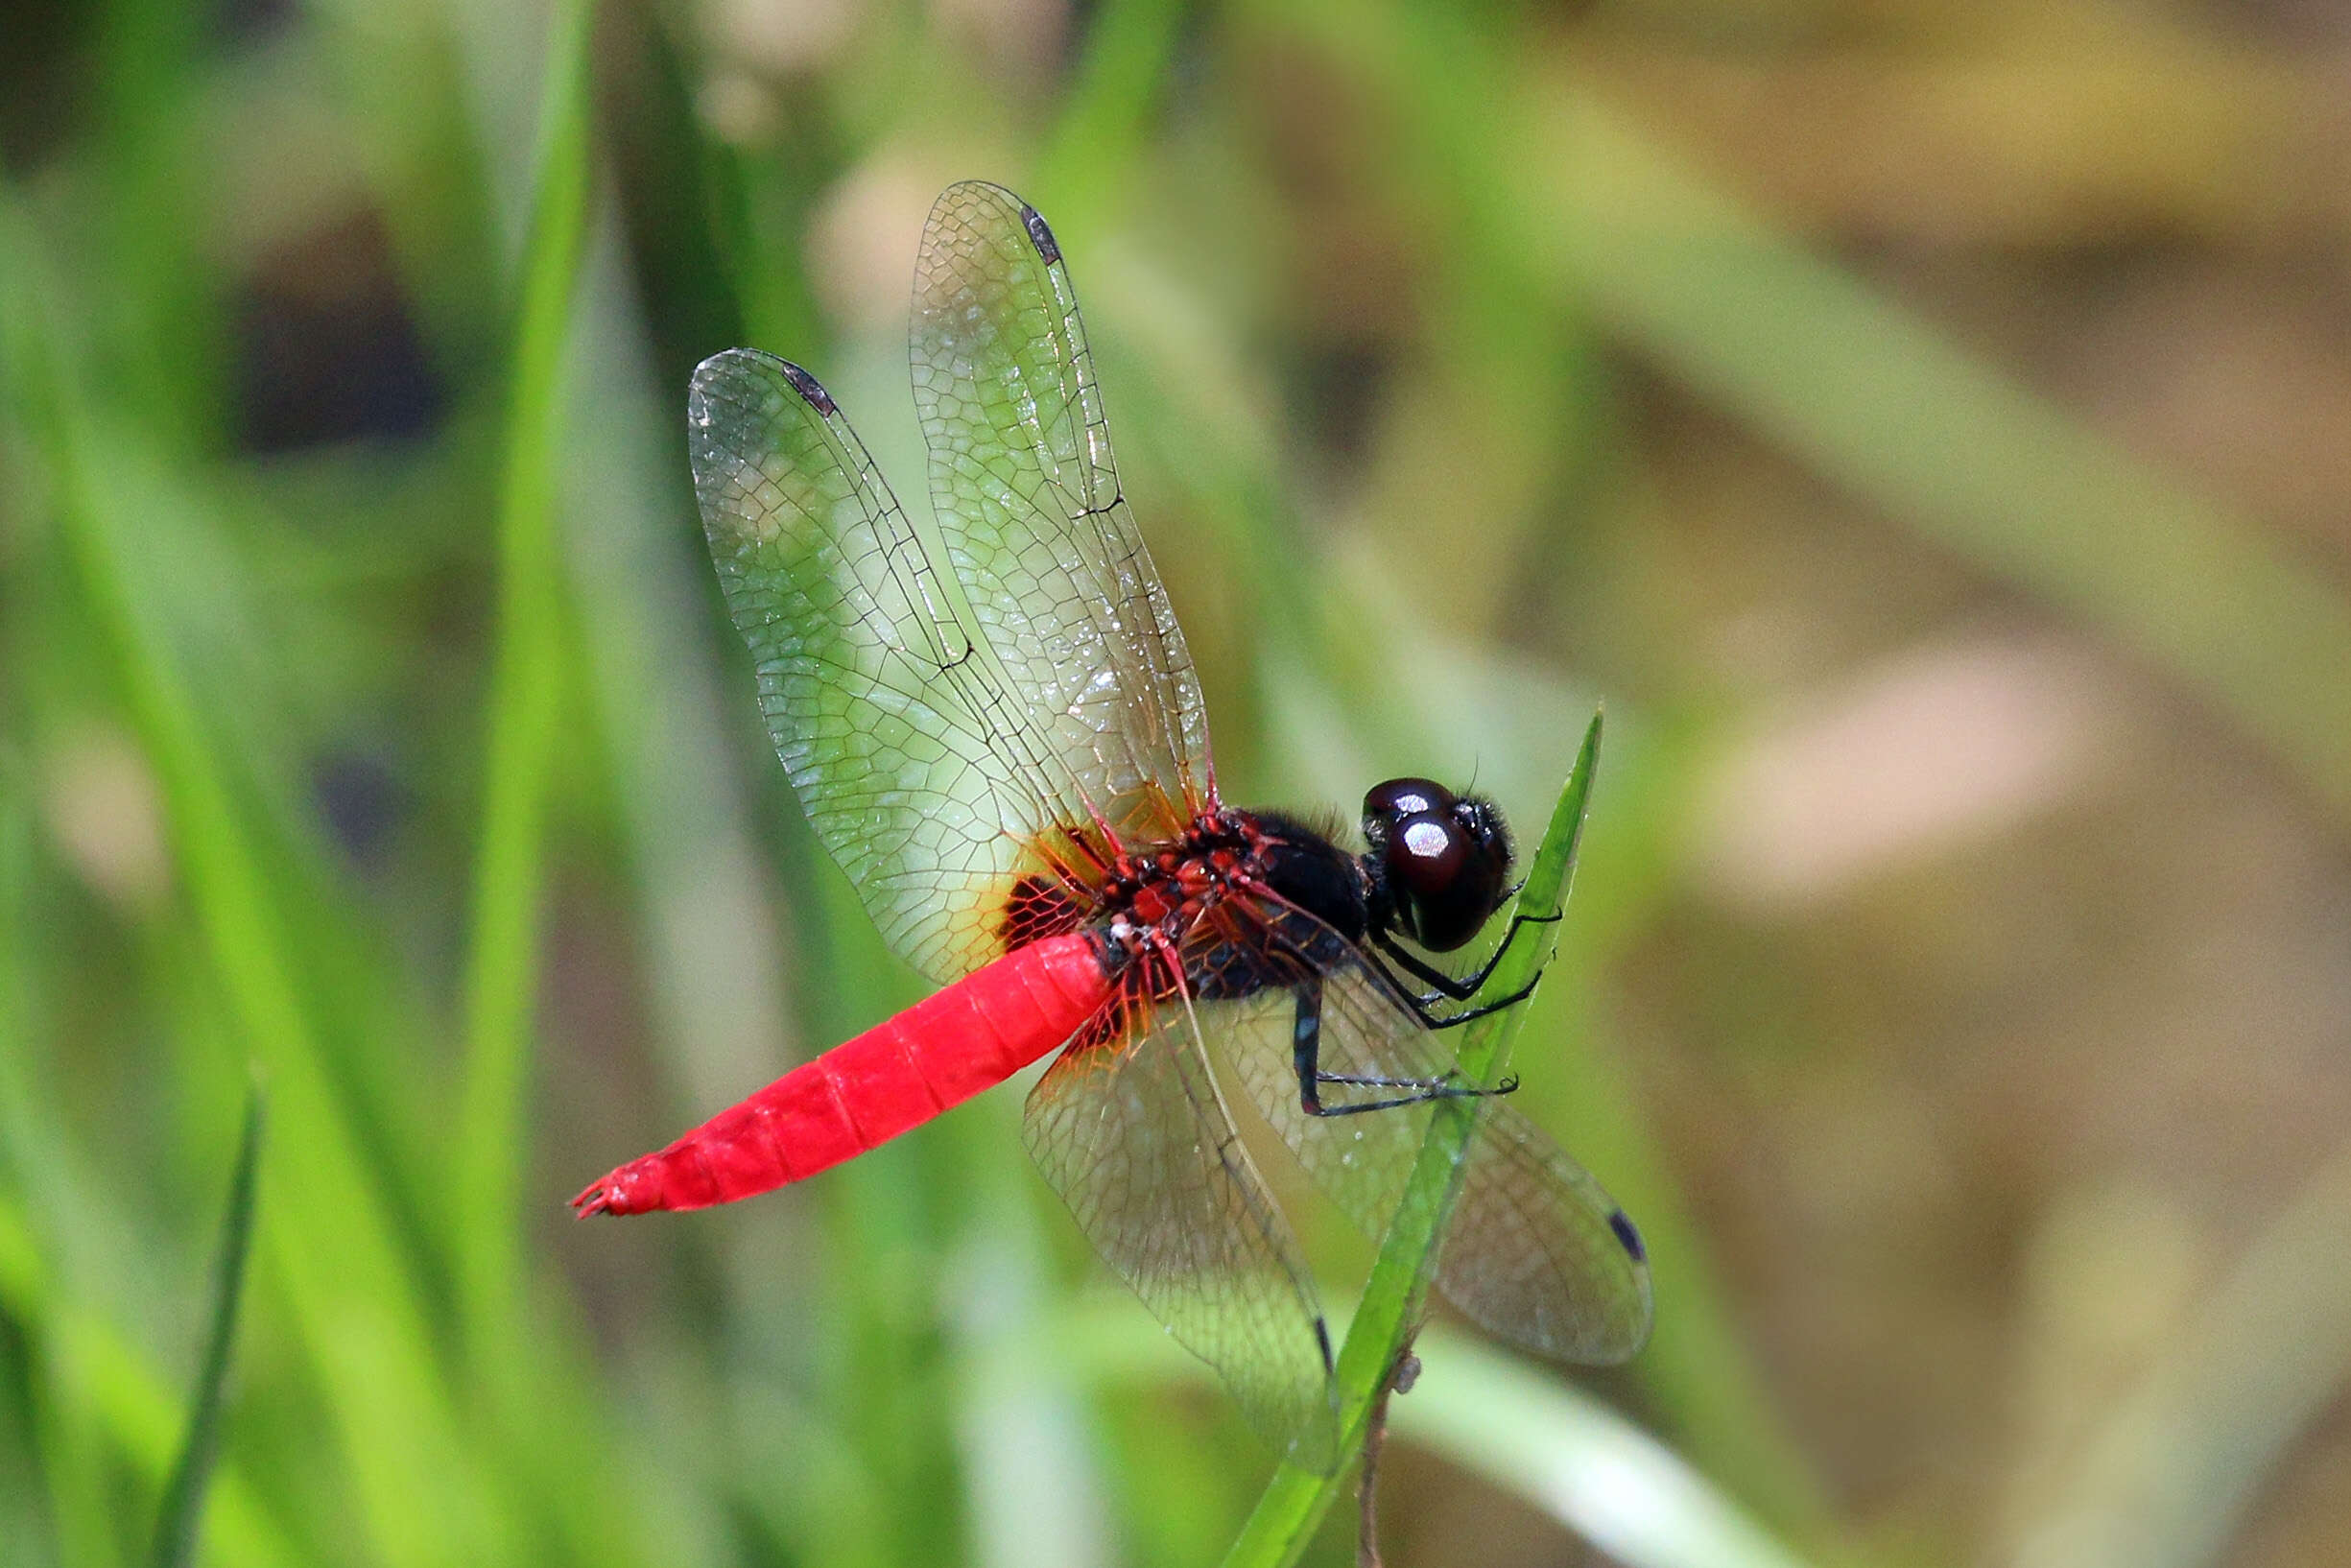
column 865, row 1091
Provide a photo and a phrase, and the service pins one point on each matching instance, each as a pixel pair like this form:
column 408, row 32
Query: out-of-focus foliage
column 1926, row 427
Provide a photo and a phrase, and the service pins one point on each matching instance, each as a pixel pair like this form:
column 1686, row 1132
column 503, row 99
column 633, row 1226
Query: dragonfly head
column 1441, row 860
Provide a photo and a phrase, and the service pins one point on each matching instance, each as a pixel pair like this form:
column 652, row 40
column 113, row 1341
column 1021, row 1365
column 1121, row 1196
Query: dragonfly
column 999, row 735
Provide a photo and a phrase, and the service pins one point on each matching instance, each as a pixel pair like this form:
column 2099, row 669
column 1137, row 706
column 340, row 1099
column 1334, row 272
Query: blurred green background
column 1928, row 429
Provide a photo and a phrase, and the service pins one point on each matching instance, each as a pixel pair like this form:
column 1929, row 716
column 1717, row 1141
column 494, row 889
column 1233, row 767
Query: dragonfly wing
column 1028, row 498
column 1534, row 1252
column 920, row 775
column 1134, row 1136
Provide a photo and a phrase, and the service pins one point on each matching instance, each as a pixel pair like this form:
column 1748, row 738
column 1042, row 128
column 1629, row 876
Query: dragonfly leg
column 1462, row 988
column 1306, row 1046
column 1424, row 1008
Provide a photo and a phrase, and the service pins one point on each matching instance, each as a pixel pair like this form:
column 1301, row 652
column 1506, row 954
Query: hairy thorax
column 1239, row 902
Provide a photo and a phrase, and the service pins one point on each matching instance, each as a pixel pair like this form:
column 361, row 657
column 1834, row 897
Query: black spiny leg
column 1306, row 1048
column 1462, row 989
column 1424, row 1006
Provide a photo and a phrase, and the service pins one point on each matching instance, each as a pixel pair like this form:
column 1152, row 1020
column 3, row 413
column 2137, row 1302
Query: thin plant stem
column 527, row 689
column 1295, row 1499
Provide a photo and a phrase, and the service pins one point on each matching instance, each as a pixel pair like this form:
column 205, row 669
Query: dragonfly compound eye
column 1384, row 804
column 1445, row 858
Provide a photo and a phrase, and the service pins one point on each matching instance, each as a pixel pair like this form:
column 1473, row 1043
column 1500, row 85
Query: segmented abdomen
column 897, row 1074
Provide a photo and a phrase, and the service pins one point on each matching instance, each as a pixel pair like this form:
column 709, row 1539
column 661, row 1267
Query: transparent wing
column 924, row 779
column 1132, row 1135
column 1534, row 1252
column 1028, row 498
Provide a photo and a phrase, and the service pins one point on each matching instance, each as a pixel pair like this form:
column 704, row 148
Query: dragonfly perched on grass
column 1006, row 752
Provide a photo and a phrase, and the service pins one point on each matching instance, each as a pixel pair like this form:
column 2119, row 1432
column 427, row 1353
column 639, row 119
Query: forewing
column 1534, row 1252
column 920, row 775
column 1133, row 1135
column 1028, row 498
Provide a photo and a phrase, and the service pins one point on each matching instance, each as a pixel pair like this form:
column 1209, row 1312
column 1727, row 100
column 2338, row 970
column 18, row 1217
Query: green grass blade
column 183, row 1496
column 1581, row 1462
column 327, row 1239
column 2173, row 1471
column 527, row 688
column 1287, row 1514
column 128, row 1399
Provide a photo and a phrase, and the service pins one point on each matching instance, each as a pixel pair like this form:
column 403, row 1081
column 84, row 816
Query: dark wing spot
column 1628, row 1237
column 1322, row 1337
column 1039, row 235
column 808, row 386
